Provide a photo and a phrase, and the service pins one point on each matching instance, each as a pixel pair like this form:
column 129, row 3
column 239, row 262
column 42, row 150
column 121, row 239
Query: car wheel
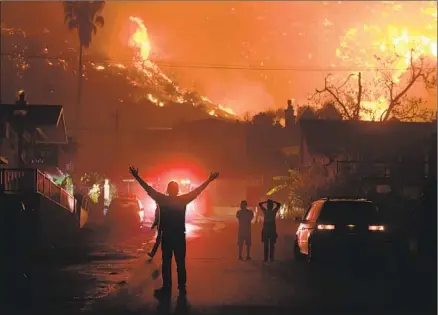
column 297, row 252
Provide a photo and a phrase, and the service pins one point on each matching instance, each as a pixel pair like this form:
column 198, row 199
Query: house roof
column 377, row 139
column 47, row 119
column 210, row 122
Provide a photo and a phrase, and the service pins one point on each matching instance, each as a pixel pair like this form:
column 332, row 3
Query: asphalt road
column 117, row 278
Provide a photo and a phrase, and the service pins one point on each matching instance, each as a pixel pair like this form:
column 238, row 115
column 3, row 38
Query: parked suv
column 334, row 226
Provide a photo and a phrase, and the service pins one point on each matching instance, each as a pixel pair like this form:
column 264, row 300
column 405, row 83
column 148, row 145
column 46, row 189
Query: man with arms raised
column 173, row 226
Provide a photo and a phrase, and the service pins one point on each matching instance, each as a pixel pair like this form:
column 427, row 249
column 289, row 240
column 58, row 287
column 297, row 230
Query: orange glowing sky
column 302, row 35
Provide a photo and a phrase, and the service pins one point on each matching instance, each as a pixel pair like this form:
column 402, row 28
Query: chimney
column 289, row 115
column 20, row 98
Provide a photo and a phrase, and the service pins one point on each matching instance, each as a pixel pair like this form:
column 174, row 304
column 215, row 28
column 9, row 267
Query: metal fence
column 32, row 180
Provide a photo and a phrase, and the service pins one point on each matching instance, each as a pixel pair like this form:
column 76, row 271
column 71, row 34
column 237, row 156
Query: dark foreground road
column 220, row 284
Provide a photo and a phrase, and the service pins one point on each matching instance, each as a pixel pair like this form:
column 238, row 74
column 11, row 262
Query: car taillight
column 325, row 227
column 377, row 228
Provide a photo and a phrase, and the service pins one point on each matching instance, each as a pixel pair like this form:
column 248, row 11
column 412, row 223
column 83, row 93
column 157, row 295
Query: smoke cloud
column 241, row 94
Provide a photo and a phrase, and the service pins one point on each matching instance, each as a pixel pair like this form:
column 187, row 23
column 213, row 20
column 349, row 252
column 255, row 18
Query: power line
column 214, row 66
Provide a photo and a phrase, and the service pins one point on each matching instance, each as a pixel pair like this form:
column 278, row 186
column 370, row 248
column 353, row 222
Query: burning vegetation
column 132, row 81
column 392, row 63
column 394, row 71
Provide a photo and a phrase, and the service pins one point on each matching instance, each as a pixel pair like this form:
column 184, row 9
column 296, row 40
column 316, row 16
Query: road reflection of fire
column 192, row 230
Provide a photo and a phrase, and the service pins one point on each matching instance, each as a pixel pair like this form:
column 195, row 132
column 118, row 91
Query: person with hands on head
column 173, row 228
column 269, row 231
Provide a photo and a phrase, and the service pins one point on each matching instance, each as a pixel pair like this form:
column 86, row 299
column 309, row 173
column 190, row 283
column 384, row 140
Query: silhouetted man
column 244, row 216
column 173, row 226
column 269, row 230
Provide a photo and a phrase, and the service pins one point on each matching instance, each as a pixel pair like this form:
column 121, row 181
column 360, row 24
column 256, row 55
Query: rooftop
column 384, row 139
column 48, row 120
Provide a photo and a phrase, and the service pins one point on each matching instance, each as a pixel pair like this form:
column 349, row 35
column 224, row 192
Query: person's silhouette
column 172, row 224
column 269, row 230
column 156, row 224
column 244, row 216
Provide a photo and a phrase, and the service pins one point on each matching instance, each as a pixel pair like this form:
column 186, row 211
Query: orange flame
column 140, row 42
column 140, row 39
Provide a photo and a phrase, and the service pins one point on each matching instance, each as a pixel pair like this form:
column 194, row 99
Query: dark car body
column 332, row 227
column 124, row 213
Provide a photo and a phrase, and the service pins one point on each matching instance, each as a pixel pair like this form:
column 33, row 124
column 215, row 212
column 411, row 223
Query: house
column 31, row 135
column 218, row 145
column 247, row 155
column 392, row 152
column 30, row 140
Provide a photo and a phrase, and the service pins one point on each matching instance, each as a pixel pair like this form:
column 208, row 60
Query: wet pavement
column 118, row 278
column 220, row 284
column 70, row 279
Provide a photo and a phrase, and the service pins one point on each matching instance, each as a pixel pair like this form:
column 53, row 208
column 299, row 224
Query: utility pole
column 21, row 126
column 116, row 136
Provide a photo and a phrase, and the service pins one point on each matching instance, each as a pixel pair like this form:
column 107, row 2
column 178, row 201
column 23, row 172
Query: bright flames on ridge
column 140, row 42
column 140, row 38
column 388, row 41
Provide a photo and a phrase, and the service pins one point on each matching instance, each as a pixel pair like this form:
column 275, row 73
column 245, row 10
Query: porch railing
column 34, row 181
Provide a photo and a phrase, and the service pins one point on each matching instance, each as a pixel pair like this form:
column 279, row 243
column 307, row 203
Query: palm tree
column 85, row 17
column 302, row 186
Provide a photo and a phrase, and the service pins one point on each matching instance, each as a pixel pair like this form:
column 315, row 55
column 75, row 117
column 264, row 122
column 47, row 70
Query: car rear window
column 348, row 211
column 124, row 203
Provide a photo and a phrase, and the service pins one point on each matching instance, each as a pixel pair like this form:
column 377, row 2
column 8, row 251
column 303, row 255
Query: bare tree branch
column 328, row 89
column 359, row 98
column 395, row 101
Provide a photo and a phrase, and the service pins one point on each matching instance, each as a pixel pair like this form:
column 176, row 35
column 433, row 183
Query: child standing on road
column 244, row 216
column 156, row 224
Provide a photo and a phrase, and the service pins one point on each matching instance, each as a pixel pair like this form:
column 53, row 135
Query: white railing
column 33, row 180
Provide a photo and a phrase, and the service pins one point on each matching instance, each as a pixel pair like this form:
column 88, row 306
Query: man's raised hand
column 133, row 171
column 213, row 176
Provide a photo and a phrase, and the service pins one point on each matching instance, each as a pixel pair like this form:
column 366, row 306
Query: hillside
column 46, row 68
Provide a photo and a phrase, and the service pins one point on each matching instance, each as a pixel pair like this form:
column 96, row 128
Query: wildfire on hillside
column 140, row 72
column 139, row 41
column 384, row 28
